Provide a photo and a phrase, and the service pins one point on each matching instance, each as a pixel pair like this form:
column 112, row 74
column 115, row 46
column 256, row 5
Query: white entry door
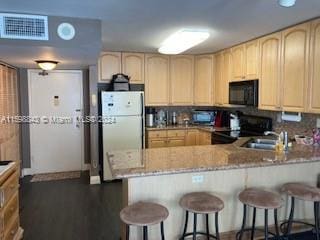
column 55, row 147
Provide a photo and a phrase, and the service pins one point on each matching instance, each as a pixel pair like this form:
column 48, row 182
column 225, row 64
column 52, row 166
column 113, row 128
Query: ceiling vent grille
column 19, row 26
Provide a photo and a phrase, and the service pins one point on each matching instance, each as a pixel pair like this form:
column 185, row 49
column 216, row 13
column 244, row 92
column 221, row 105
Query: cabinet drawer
column 12, row 230
column 9, row 210
column 157, row 143
column 176, row 133
column 157, row 134
column 9, row 188
column 176, row 142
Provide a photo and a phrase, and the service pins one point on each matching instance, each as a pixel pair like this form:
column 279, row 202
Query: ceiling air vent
column 20, row 26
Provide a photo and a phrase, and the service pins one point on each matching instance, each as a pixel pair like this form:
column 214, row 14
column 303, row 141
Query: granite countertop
column 161, row 161
column 184, row 127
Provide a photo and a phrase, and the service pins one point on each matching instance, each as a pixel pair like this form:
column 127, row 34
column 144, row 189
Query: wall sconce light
column 46, row 65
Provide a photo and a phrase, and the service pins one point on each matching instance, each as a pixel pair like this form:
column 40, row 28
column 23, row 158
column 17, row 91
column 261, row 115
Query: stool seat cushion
column 259, row 198
column 201, row 202
column 302, row 191
column 144, row 214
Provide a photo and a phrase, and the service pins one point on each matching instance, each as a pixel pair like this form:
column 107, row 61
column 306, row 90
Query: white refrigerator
column 123, row 124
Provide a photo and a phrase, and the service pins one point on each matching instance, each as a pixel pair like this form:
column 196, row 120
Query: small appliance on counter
column 202, row 117
column 250, row 126
column 120, row 82
column 222, row 119
column 234, row 122
column 150, row 117
column 174, row 120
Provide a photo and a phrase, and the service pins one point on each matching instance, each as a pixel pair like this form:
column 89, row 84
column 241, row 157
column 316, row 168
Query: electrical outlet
column 197, row 179
column 318, row 122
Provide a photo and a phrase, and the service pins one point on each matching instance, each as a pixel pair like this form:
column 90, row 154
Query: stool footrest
column 197, row 233
column 296, row 222
column 256, row 229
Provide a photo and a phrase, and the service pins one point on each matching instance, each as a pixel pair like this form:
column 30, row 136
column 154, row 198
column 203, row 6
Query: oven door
column 220, row 138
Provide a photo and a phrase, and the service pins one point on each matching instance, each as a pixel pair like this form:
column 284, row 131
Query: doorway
column 56, row 138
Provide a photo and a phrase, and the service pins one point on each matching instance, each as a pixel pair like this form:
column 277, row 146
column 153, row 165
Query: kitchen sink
column 262, row 144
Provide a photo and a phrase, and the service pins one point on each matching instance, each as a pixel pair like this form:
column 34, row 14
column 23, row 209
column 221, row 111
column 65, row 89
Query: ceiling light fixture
column 182, row 41
column 287, row 3
column 46, row 65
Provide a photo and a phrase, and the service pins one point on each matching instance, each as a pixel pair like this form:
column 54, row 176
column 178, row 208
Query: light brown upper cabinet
column 314, row 78
column 238, row 63
column 218, row 86
column 157, row 80
column 203, row 82
column 270, row 78
column 133, row 66
column 109, row 64
column 226, row 76
column 295, row 56
column 181, row 80
column 245, row 61
column 222, row 77
column 252, row 60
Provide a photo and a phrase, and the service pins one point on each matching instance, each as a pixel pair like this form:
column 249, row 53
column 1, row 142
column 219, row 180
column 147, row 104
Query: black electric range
column 250, row 126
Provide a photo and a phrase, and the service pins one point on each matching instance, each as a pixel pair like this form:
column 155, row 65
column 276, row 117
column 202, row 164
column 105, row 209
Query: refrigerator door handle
column 142, row 104
column 142, row 122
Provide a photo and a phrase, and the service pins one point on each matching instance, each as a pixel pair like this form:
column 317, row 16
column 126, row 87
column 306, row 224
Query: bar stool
column 201, row 203
column 259, row 199
column 144, row 214
column 303, row 192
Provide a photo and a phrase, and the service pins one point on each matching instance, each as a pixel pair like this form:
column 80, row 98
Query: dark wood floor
column 70, row 210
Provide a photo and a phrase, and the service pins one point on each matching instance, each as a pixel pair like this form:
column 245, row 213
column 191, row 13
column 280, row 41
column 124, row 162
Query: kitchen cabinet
column 222, row 77
column 238, row 63
column 166, row 138
column 181, row 80
column 295, row 54
column 270, row 78
column 314, row 78
column 204, row 137
column 133, row 66
column 192, row 137
column 245, row 61
column 109, row 64
column 218, row 86
column 157, row 80
column 203, row 85
column 252, row 60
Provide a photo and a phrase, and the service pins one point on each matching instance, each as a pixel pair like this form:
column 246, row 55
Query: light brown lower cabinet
column 192, row 137
column 177, row 138
column 204, row 138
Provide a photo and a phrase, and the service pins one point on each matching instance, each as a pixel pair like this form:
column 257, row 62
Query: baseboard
column 95, row 180
column 26, row 172
column 86, row 166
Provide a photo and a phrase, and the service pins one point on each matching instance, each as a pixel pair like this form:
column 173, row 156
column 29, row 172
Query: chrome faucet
column 283, row 136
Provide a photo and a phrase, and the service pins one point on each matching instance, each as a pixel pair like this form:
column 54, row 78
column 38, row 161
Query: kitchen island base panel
column 168, row 189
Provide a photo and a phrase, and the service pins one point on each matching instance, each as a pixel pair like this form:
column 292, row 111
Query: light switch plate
column 197, row 179
column 318, row 122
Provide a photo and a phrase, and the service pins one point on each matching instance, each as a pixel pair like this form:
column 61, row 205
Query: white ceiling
column 141, row 25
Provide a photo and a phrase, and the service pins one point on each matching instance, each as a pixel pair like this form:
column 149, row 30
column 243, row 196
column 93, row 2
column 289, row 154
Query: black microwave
column 244, row 93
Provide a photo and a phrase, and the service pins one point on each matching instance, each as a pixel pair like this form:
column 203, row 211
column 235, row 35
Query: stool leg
column 207, row 226
column 316, row 219
column 244, row 219
column 217, row 225
column 127, row 232
column 162, row 231
column 253, row 223
column 145, row 233
column 289, row 227
column 266, row 231
column 185, row 225
column 194, row 226
column 276, row 224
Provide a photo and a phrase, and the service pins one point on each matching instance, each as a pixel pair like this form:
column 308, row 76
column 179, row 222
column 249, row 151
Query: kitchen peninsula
column 163, row 175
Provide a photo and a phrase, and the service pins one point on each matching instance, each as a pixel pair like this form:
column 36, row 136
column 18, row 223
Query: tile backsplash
column 305, row 127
